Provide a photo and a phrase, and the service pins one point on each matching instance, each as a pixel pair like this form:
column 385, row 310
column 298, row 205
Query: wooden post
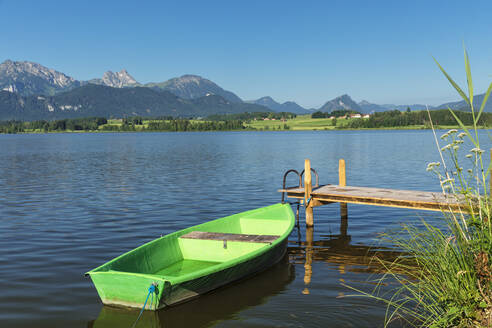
column 342, row 182
column 308, row 188
column 490, row 175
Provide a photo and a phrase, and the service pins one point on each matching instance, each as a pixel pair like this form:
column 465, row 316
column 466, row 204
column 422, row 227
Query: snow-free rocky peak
column 119, row 79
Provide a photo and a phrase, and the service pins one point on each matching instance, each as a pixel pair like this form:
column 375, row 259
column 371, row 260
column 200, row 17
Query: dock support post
column 342, row 182
column 308, row 188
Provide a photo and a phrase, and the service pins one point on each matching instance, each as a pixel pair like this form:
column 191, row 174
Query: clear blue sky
column 307, row 51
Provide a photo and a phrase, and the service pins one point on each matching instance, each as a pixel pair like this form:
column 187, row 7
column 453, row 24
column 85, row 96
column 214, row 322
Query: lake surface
column 70, row 202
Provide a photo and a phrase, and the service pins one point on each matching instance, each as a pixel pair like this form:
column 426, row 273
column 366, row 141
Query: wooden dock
column 421, row 200
column 312, row 197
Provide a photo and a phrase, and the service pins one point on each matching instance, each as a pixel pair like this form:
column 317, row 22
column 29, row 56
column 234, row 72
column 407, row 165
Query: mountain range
column 367, row 107
column 288, row 106
column 477, row 102
column 343, row 102
column 102, row 101
column 28, row 78
column 193, row 86
column 119, row 79
column 27, row 87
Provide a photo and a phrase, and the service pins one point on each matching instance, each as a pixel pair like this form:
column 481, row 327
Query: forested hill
column 395, row 118
column 104, row 101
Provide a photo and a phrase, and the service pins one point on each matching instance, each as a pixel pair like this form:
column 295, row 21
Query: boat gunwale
column 206, row 271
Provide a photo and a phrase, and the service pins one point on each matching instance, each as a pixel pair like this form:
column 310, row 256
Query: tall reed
column 449, row 280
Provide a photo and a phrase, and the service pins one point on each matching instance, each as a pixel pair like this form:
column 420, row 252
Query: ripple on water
column 70, row 202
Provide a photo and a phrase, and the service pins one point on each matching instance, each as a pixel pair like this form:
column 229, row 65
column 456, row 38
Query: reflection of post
column 308, row 269
column 297, row 215
column 344, row 220
column 342, row 182
column 307, row 193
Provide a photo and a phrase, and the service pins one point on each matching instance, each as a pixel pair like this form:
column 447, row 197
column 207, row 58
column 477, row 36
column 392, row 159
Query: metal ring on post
column 285, row 178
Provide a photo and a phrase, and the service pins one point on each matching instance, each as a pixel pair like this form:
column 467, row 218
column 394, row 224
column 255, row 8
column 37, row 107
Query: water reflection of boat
column 219, row 305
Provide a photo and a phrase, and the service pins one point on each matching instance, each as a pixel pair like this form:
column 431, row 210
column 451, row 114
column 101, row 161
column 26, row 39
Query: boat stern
column 125, row 289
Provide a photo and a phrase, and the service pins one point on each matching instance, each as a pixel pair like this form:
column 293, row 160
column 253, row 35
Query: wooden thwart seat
column 230, row 237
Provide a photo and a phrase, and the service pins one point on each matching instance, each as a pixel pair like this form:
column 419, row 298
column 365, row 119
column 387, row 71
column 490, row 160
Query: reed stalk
column 449, row 280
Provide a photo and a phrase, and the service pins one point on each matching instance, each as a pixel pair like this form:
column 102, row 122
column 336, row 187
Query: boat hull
column 188, row 263
column 194, row 288
column 209, row 308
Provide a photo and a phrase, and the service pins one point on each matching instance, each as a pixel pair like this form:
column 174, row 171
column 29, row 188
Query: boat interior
column 203, row 246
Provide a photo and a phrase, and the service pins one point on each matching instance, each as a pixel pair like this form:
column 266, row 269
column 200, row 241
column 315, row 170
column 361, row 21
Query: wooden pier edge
column 343, row 194
column 308, row 189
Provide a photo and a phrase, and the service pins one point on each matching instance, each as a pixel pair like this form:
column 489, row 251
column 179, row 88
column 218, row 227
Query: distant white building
column 355, row 116
column 366, row 116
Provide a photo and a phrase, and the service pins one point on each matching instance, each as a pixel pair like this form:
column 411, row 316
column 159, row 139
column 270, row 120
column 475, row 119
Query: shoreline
column 412, row 128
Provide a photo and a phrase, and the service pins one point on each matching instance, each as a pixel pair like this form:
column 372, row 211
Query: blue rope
column 151, row 292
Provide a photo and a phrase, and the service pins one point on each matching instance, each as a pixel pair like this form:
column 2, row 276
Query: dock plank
column 380, row 197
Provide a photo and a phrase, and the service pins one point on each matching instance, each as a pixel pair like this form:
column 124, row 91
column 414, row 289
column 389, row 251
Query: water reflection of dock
column 337, row 251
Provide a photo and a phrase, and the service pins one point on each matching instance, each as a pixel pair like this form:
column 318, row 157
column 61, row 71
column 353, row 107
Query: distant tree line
column 134, row 120
column 251, row 116
column 127, row 124
column 75, row 124
column 335, row 113
column 395, row 118
column 187, row 125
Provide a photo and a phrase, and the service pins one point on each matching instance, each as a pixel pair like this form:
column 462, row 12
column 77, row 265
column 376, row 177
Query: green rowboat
column 193, row 261
column 209, row 308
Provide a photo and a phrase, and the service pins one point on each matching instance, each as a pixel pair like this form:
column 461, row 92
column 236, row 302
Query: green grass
column 145, row 123
column 301, row 122
column 305, row 122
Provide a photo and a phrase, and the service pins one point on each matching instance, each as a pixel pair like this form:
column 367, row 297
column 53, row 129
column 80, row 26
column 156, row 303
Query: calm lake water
column 70, row 202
